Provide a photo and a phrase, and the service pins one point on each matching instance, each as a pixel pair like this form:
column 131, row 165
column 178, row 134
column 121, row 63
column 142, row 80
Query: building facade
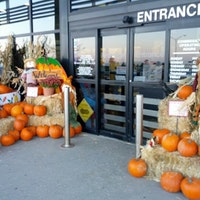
column 114, row 50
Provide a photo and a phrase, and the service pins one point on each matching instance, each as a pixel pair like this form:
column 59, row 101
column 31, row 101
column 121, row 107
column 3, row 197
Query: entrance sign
column 176, row 109
column 162, row 14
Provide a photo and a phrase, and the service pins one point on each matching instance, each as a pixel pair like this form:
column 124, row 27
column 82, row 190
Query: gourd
column 190, row 187
column 187, row 147
column 137, row 167
column 185, row 91
column 170, row 181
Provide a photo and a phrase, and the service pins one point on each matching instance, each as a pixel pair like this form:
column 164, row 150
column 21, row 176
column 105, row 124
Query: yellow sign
column 84, row 110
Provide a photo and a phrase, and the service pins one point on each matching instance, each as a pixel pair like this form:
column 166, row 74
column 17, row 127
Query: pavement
column 94, row 169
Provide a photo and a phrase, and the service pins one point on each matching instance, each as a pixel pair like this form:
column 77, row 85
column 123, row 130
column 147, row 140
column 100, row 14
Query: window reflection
column 113, row 57
column 84, row 57
column 184, row 50
column 149, row 51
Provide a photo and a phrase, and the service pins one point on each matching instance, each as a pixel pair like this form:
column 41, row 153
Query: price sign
column 176, row 108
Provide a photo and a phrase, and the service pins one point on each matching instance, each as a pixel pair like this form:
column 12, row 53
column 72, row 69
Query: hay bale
column 54, row 103
column 47, row 120
column 159, row 160
column 173, row 123
column 6, row 124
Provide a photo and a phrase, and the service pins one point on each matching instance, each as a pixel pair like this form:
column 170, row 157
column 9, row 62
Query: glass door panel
column 113, row 76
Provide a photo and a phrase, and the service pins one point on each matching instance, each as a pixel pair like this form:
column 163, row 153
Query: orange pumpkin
column 78, row 129
column 32, row 129
column 19, row 124
column 7, row 140
column 40, row 110
column 185, row 91
column 190, row 187
column 15, row 134
column 55, row 131
column 16, row 110
column 7, row 107
column 23, row 117
column 137, row 167
column 187, row 147
column 170, row 142
column 3, row 114
column 42, row 131
column 159, row 133
column 5, row 89
column 26, row 134
column 29, row 109
column 185, row 135
column 171, row 181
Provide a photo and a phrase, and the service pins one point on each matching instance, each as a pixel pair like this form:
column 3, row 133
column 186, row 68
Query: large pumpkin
column 7, row 140
column 159, row 133
column 55, row 131
column 190, row 187
column 170, row 142
column 170, row 181
column 185, row 91
column 42, row 131
column 16, row 110
column 187, row 147
column 137, row 167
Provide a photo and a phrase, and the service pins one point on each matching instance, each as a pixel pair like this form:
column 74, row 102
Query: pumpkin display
column 159, row 133
column 55, row 131
column 3, row 114
column 23, row 117
column 19, row 124
column 170, row 181
column 15, row 134
column 137, row 167
column 42, row 131
column 190, row 187
column 185, row 91
column 170, row 142
column 16, row 110
column 187, row 147
column 40, row 110
column 5, row 89
column 29, row 109
column 26, row 134
column 7, row 140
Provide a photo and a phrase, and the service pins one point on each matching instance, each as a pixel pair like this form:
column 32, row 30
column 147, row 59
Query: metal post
column 139, row 123
column 66, row 118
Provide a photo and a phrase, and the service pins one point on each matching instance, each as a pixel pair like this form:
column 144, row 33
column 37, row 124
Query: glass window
column 18, row 3
column 113, row 57
column 84, row 57
column 44, row 24
column 149, row 54
column 184, row 50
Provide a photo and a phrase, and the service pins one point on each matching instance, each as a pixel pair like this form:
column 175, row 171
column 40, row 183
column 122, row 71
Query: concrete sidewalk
column 94, row 169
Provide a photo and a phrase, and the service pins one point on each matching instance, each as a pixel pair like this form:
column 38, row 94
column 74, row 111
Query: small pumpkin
column 26, row 134
column 16, row 110
column 170, row 142
column 185, row 91
column 40, row 110
column 7, row 140
column 137, row 167
column 32, row 129
column 19, row 124
column 29, row 109
column 5, row 89
column 55, row 131
column 185, row 135
column 190, row 187
column 3, row 114
column 78, row 129
column 15, row 134
column 42, row 131
column 170, row 181
column 187, row 147
column 7, row 107
column 159, row 133
column 23, row 117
